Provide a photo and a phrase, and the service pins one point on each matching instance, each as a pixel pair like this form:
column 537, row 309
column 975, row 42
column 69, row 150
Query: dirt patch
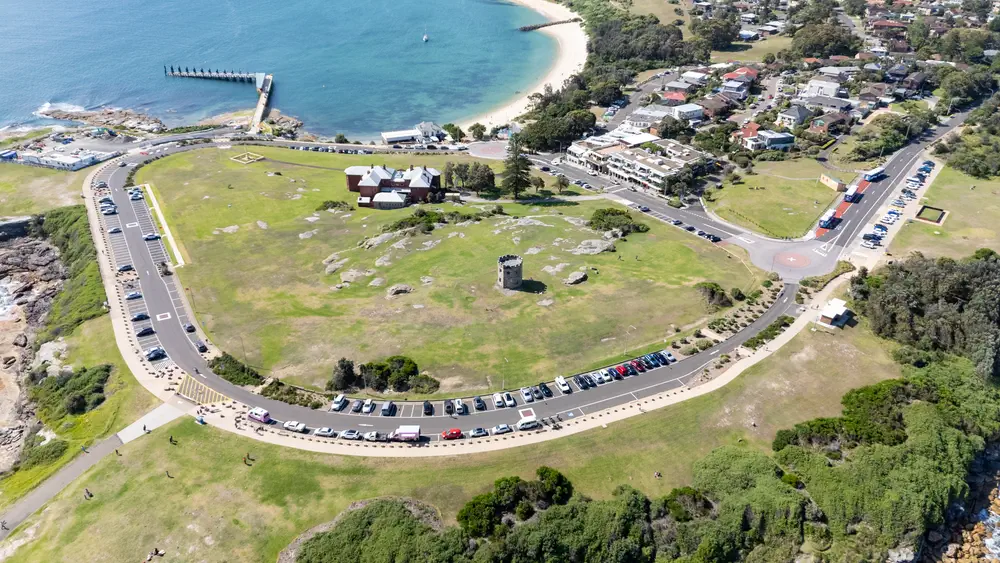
column 228, row 230
column 427, row 514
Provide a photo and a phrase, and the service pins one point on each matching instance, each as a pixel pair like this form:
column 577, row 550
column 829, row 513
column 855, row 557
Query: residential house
column 644, row 117
column 823, row 123
column 817, row 87
column 827, row 103
column 423, row 132
column 767, row 140
column 694, row 77
column 793, row 116
column 672, row 98
column 686, row 112
column 748, row 35
column 887, row 28
column 897, row 72
column 742, row 73
column 747, row 131
column 748, row 18
column 414, row 184
column 679, row 86
column 738, row 89
column 914, row 81
column 874, row 92
column 839, row 73
column 716, row 106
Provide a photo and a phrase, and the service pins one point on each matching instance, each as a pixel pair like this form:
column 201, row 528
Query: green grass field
column 91, row 344
column 971, row 223
column 25, row 190
column 268, row 286
column 21, row 137
column 664, row 11
column 754, row 50
column 216, row 509
column 786, row 206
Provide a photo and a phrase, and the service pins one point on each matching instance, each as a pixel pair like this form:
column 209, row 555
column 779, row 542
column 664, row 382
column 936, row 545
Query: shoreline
column 571, row 55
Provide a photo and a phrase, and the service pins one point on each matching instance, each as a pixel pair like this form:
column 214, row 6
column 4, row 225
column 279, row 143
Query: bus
column 852, row 195
column 875, row 174
column 827, row 220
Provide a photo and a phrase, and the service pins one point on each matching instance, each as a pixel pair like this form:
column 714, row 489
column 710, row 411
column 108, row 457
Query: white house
column 735, row 88
column 817, row 87
column 769, row 140
column 694, row 77
column 793, row 116
column 646, row 117
column 686, row 112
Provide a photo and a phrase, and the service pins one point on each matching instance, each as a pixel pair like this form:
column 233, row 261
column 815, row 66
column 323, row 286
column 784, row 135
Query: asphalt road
column 161, row 299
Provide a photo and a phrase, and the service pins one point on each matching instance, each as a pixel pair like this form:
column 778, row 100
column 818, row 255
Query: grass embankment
column 972, row 220
column 217, row 509
column 753, row 50
column 82, row 297
column 270, row 287
column 91, row 344
column 25, row 190
column 781, row 199
column 26, row 136
column 839, row 156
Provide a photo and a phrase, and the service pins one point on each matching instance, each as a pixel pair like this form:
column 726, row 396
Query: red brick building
column 398, row 188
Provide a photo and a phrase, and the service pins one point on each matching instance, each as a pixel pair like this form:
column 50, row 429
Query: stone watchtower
column 509, row 274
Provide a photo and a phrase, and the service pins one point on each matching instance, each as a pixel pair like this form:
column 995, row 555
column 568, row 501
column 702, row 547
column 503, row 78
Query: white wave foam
column 58, row 106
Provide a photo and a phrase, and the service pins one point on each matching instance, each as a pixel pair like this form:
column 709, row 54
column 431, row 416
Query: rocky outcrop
column 593, row 246
column 575, row 278
column 112, row 118
column 397, row 289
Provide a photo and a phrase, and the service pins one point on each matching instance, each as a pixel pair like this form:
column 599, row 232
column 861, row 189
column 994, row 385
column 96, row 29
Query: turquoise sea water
column 350, row 66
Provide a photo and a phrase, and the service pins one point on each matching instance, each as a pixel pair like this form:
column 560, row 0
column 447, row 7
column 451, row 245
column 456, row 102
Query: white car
column 374, row 437
column 459, row 406
column 601, row 377
column 526, row 395
column 326, row 432
column 501, row 429
column 114, row 230
column 509, row 401
column 368, row 407
column 478, row 433
column 133, row 295
column 498, row 400
column 350, row 435
column 562, row 385
column 150, row 236
column 295, row 426
column 868, row 244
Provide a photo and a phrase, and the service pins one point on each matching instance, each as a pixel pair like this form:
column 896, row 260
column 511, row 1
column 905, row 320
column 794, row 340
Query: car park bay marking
column 130, row 225
column 163, row 317
column 525, row 413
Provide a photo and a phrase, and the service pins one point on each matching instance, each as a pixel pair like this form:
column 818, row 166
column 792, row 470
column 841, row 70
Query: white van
column 339, row 402
column 388, row 408
column 561, row 384
column 259, row 414
column 528, row 423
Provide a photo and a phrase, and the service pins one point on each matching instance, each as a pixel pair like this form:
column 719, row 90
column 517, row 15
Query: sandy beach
column 570, row 57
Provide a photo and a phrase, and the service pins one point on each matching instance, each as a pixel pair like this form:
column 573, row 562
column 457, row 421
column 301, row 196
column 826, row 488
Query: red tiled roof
column 673, row 96
column 747, row 131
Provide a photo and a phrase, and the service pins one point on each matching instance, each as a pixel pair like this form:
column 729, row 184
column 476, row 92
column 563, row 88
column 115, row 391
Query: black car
column 145, row 331
column 590, row 380
column 545, row 169
column 545, row 389
column 580, row 382
column 479, row 403
column 690, row 229
column 536, row 393
column 188, row 327
column 449, row 407
column 701, row 233
column 871, row 236
column 645, row 362
column 631, row 369
column 356, row 405
column 714, row 238
column 200, row 346
column 428, row 408
column 140, row 317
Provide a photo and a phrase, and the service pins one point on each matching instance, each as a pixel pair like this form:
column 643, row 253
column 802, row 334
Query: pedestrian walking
column 172, row 439
column 87, row 494
column 117, row 454
column 144, row 429
column 168, row 475
column 84, row 449
column 3, row 525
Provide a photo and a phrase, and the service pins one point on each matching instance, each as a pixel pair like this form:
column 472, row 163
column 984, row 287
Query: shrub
column 34, row 455
column 612, row 218
column 234, row 371
column 70, row 393
column 714, row 295
column 524, row 510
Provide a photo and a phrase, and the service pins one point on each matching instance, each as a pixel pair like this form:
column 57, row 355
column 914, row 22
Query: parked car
column 146, row 331
column 114, row 230
column 501, row 429
column 133, row 295
column 562, row 385
column 621, row 371
column 326, row 432
column 498, row 400
column 537, row 393
column 670, row 357
column 374, row 436
column 188, row 327
column 388, row 408
column 154, row 354
column 368, row 407
column 451, row 434
column 350, row 435
column 526, row 395
column 125, row 268
column 459, row 406
column 428, row 408
column 478, row 433
column 151, row 236
column 449, row 407
column 478, row 403
column 508, row 400
column 356, row 405
column 580, row 382
column 200, row 346
column 590, row 380
column 295, row 426
column 140, row 316
column 545, row 389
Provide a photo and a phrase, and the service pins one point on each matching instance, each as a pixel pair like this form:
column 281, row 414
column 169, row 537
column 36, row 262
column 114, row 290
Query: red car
column 622, row 371
column 638, row 365
column 452, row 434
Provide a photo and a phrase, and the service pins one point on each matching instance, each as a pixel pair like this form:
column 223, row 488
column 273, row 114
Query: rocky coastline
column 111, row 118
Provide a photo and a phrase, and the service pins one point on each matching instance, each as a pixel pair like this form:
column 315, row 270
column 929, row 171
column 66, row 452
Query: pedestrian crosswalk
column 198, row 392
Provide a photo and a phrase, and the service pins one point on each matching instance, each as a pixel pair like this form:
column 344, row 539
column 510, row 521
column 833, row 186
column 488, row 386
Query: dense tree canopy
column 824, row 40
column 720, row 32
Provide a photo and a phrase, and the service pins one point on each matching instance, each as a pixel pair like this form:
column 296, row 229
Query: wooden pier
column 262, row 81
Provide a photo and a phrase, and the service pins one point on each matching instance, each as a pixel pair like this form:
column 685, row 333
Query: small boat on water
column 426, row 39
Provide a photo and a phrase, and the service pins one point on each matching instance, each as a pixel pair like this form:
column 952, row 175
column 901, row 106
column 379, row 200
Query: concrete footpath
column 52, row 486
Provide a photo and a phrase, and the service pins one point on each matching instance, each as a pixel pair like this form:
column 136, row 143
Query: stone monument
column 509, row 271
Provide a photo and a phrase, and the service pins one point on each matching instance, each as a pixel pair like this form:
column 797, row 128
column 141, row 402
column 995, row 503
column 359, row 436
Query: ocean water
column 342, row 66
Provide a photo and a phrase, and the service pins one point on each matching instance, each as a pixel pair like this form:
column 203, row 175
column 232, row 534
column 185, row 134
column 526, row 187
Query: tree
column 449, row 174
column 856, row 8
column 462, row 172
column 478, row 131
column 343, row 376
column 562, row 182
column 454, row 131
column 516, row 173
column 340, row 138
column 556, row 487
column 824, row 40
column 769, row 58
column 670, row 128
column 538, row 183
column 719, row 32
column 481, row 177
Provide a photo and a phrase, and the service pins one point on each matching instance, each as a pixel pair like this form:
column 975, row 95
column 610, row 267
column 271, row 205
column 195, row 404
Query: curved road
column 162, row 300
